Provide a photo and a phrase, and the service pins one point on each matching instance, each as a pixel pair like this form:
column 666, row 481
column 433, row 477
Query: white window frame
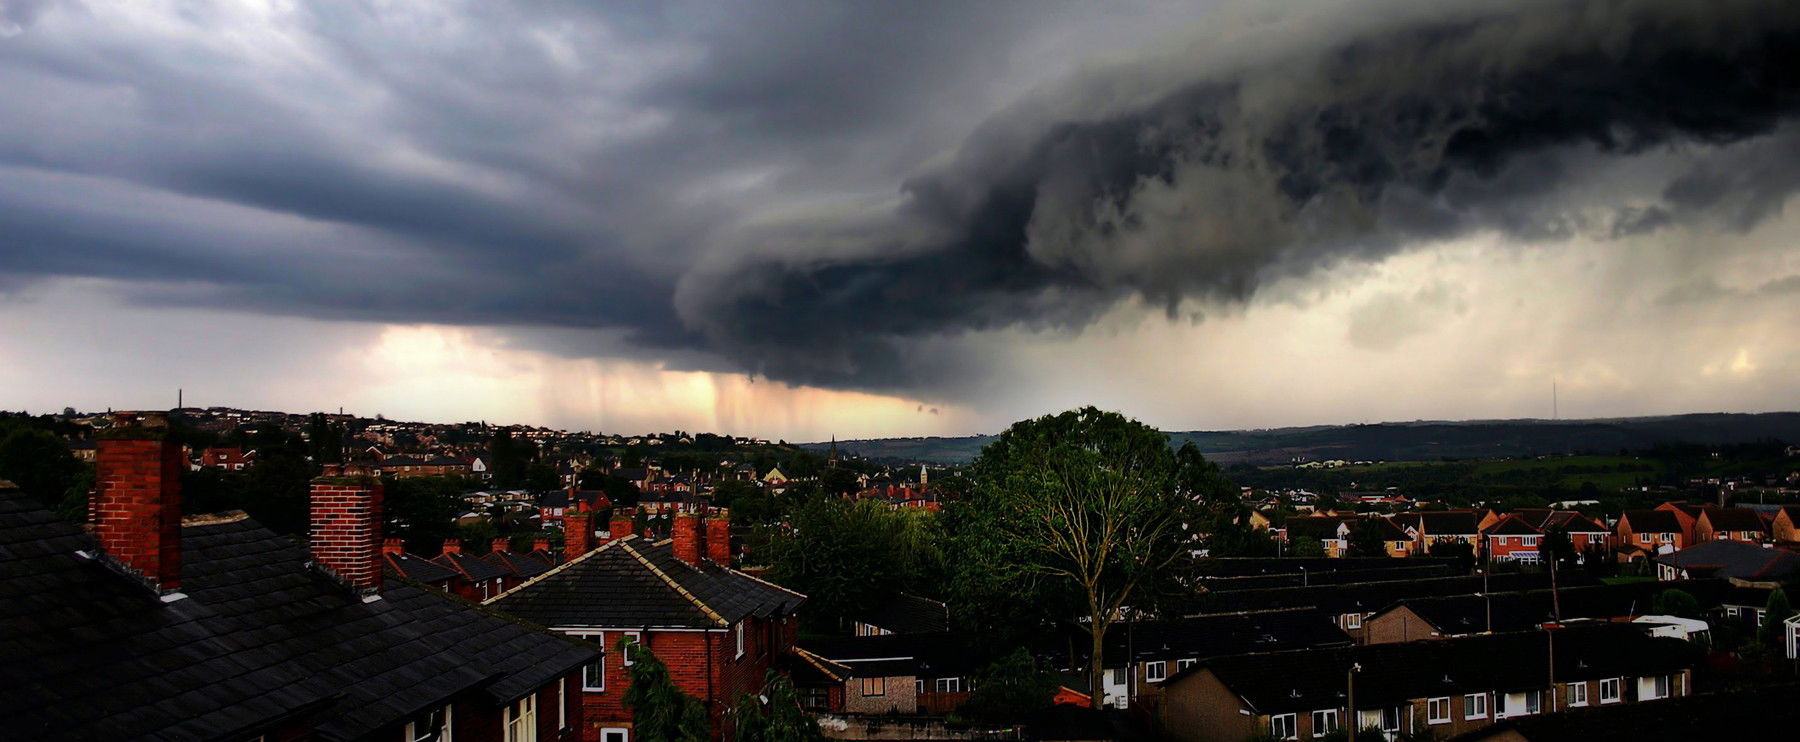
column 1437, row 710
column 1156, row 671
column 1324, row 721
column 1660, row 687
column 562, row 704
column 1475, row 706
column 1184, row 664
column 1612, row 697
column 520, row 720
column 1353, row 620
column 1534, row 702
column 1578, row 694
column 1386, row 715
column 610, row 734
column 636, row 637
column 598, row 665
column 738, row 632
column 946, row 685
column 1284, row 726
column 414, row 734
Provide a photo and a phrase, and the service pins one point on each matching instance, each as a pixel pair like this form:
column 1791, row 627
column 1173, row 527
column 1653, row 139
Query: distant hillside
column 1411, row 441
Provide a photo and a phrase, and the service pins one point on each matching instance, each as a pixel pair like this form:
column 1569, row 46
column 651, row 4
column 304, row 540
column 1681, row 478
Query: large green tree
column 847, row 555
column 1775, row 612
column 1093, row 503
column 1011, row 690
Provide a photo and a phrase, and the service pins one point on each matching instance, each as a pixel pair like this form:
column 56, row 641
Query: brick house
column 1511, row 539
column 1350, row 604
column 1729, row 524
column 1785, row 528
column 231, row 458
column 1686, row 514
column 212, row 627
column 718, row 630
column 1140, row 655
column 1441, row 617
column 885, row 674
column 1731, row 559
column 1443, row 688
column 1645, row 533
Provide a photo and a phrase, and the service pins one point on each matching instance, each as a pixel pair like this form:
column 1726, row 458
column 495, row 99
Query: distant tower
column 924, row 476
column 179, row 402
column 831, row 458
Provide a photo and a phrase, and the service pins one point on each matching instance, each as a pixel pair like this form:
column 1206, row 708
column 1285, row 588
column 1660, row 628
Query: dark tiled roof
column 524, row 566
column 91, row 654
column 1323, row 528
column 1733, row 519
column 1244, row 566
column 1301, row 579
column 921, row 655
column 1761, row 713
column 1449, row 522
column 471, row 567
column 1201, row 637
column 1512, row 526
column 1735, row 559
column 1395, row 673
column 1524, row 610
column 401, row 461
column 633, row 583
column 1367, row 597
column 420, row 569
column 907, row 614
column 1652, row 521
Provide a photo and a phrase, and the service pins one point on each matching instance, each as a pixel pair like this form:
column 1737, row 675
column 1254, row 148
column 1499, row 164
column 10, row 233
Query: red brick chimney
column 718, row 537
column 501, row 544
column 577, row 534
column 619, row 527
column 346, row 528
column 687, row 538
column 542, row 544
column 452, row 546
column 393, row 546
column 137, row 497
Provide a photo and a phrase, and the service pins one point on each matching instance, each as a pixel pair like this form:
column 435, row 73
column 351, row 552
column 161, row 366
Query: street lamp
column 1350, row 699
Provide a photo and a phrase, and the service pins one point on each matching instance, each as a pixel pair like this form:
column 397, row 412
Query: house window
column 874, row 687
column 1353, row 620
column 1658, row 687
column 1184, row 664
column 918, row 687
column 815, row 698
column 1390, row 720
column 739, row 633
column 1154, row 671
column 615, row 735
column 1578, row 694
column 432, row 727
column 1534, row 701
column 1437, row 710
column 1475, row 706
column 1284, row 726
column 1324, row 722
column 1609, row 690
column 1530, row 540
column 521, row 720
column 1118, row 676
column 593, row 675
column 634, row 637
column 947, row 685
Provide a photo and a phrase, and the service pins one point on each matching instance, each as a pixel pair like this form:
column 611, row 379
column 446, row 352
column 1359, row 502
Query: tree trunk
column 1097, row 663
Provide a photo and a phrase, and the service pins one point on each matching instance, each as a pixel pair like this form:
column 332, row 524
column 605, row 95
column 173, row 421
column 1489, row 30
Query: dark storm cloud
column 1336, row 147
column 738, row 186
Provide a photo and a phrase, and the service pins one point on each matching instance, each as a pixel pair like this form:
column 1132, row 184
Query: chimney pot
column 501, row 544
column 542, row 544
column 452, row 546
column 393, row 546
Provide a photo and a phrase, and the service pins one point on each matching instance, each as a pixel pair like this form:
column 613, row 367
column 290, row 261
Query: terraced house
column 718, row 630
column 215, row 628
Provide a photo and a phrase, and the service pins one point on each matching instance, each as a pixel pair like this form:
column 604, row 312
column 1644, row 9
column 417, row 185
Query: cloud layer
column 902, row 198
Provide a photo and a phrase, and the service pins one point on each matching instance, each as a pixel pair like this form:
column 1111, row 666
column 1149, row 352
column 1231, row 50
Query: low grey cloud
column 825, row 193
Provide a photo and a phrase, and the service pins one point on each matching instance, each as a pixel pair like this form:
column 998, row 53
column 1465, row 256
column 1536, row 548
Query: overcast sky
column 800, row 219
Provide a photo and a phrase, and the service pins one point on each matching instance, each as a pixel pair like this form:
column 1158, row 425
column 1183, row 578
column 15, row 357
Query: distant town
column 563, row 575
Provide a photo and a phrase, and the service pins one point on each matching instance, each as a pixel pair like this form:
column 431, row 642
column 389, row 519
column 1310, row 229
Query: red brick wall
column 716, row 677
column 137, row 505
column 346, row 530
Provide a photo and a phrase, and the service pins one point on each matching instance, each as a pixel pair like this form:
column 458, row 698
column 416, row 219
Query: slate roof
column 907, row 614
column 1200, row 637
column 419, row 569
column 1755, row 713
column 1300, row 579
column 524, row 566
column 1733, row 519
column 1512, row 526
column 87, row 652
column 1449, row 522
column 1652, row 521
column 1734, row 559
column 919, row 655
column 471, row 567
column 1393, row 674
column 632, row 583
column 1244, row 566
column 1368, row 597
column 1525, row 610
